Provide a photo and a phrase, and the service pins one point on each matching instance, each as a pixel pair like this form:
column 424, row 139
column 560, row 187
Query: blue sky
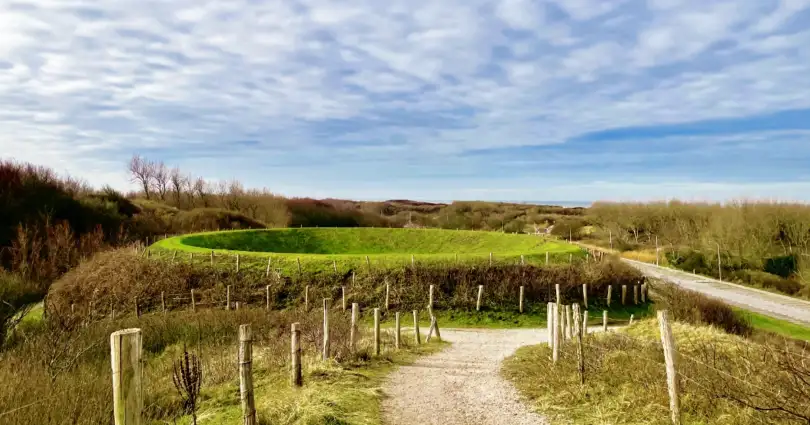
column 436, row 100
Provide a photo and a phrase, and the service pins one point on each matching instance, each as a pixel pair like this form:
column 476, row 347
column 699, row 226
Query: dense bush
column 693, row 307
column 784, row 266
column 767, row 280
column 113, row 280
column 305, row 212
column 570, row 227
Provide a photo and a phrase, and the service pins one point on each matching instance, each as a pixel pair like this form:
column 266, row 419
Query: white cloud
column 84, row 84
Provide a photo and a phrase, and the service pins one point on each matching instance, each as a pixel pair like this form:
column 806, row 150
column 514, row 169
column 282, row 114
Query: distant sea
column 569, row 204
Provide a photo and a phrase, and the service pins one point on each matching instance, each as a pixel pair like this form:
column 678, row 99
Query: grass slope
column 317, row 248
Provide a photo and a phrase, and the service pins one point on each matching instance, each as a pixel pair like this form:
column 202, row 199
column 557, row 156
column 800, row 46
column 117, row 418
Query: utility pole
column 719, row 266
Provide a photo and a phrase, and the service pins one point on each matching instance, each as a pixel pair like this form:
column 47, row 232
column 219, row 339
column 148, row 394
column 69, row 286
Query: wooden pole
column 436, row 327
column 125, row 356
column 376, row 331
column 353, row 333
column 334, row 265
column 644, row 293
column 431, row 328
column 557, row 289
column 267, row 297
column 624, row 293
column 237, row 263
column 670, row 355
column 585, row 322
column 193, row 303
column 228, row 297
column 580, row 354
column 585, row 295
column 430, row 298
column 306, row 298
column 550, row 323
column 635, row 294
column 397, row 333
column 604, row 321
column 246, row 375
column 569, row 321
column 174, row 256
column 416, row 336
column 555, row 346
column 480, row 295
column 267, row 269
column 343, row 296
column 212, row 257
column 490, row 259
column 576, row 326
column 520, row 302
column 163, row 301
column 368, row 264
column 325, row 329
column 387, row 295
column 296, row 377
column 298, row 260
column 413, row 262
column 610, row 290
column 522, row 261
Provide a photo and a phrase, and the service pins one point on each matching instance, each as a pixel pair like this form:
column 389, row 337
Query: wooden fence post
column 670, row 355
column 580, row 353
column 174, row 256
column 417, row 337
column 353, row 334
column 522, row 261
column 267, row 270
column 413, row 262
column 125, row 356
column 228, row 297
column 334, row 266
column 246, row 375
column 585, row 323
column 480, row 295
column 604, row 321
column 576, row 326
column 343, row 296
column 635, row 294
column 430, row 298
column 644, row 293
column 569, row 322
column 267, row 297
column 396, row 330
column 387, row 294
column 436, row 327
column 296, row 377
column 306, row 298
column 631, row 318
column 555, row 346
column 212, row 257
column 298, row 260
column 237, row 263
column 490, row 259
column 325, row 329
column 550, row 323
column 610, row 290
column 376, row 331
column 521, row 298
column 559, row 297
column 624, row 293
column 585, row 295
column 163, row 301
column 368, row 264
column 193, row 303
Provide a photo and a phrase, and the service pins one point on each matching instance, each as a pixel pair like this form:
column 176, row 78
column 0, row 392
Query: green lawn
column 318, row 248
column 776, row 326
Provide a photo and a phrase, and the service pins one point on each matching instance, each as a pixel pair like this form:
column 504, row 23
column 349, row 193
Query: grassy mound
column 318, row 247
column 724, row 379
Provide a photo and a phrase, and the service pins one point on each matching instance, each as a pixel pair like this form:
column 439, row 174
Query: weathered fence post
column 353, row 329
column 585, row 295
column 635, row 294
column 368, row 264
column 624, row 293
column 193, row 303
column 334, row 266
column 228, row 297
column 343, row 296
column 643, row 293
column 522, row 261
column 296, row 377
column 569, row 321
column 306, row 298
column 490, row 259
column 555, row 346
column 237, row 263
column 212, row 257
column 246, row 375
column 670, row 355
column 580, row 354
column 480, row 295
column 521, row 298
column 298, row 260
column 436, row 327
column 430, row 298
column 376, row 331
column 413, row 262
column 125, row 355
column 559, row 297
column 585, row 323
column 604, row 321
column 396, row 330
column 267, row 297
column 550, row 323
column 610, row 291
column 387, row 294
column 267, row 270
column 326, row 329
column 417, row 337
column 174, row 256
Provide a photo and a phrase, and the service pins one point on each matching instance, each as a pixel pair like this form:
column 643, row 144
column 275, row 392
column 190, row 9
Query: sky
column 566, row 100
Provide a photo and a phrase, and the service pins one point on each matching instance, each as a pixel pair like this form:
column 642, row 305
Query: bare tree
column 178, row 183
column 200, row 188
column 142, row 172
column 161, row 179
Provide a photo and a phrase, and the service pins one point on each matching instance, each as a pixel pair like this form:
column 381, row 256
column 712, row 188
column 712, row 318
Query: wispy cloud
column 363, row 99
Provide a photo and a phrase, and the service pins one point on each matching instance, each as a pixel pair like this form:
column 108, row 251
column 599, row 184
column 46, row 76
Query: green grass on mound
column 317, row 248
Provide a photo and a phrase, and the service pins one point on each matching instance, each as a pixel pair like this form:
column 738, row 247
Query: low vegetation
column 55, row 375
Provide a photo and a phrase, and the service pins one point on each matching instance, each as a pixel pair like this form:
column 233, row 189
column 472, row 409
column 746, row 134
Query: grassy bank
column 320, row 249
column 724, row 379
column 54, row 375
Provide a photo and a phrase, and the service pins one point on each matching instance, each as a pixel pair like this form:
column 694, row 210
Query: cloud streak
column 406, row 91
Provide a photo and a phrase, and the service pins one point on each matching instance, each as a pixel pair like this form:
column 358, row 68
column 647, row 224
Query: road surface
column 756, row 300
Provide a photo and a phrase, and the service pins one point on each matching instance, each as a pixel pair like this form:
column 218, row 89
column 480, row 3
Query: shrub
column 569, row 227
column 693, row 307
column 784, row 266
column 767, row 280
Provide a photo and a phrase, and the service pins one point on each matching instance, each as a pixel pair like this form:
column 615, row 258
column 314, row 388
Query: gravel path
column 764, row 302
column 462, row 384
